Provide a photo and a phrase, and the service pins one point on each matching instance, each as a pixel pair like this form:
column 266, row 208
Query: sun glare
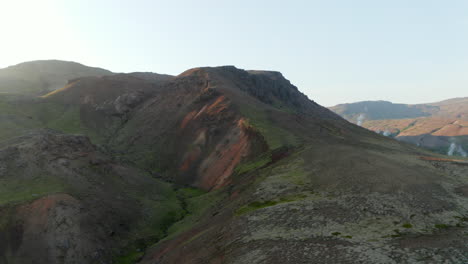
column 35, row 28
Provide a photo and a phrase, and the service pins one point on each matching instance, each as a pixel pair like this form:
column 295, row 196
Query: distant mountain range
column 439, row 126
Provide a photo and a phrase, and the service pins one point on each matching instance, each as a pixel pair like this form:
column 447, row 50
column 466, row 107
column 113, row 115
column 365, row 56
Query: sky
column 404, row 51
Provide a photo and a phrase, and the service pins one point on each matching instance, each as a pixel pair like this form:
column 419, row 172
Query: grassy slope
column 20, row 116
column 179, row 216
column 17, row 191
column 275, row 135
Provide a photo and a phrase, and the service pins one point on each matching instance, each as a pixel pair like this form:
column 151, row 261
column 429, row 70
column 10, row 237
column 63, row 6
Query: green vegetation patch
column 255, row 164
column 190, row 192
column 13, row 118
column 130, row 257
column 183, row 210
column 441, row 226
column 407, row 225
column 60, row 117
column 18, row 116
column 196, row 205
column 161, row 208
column 275, row 135
column 264, row 204
column 292, row 170
column 255, row 206
column 20, row 191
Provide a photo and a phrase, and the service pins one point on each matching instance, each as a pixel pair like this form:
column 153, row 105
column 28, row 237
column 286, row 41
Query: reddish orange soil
column 444, row 160
column 221, row 166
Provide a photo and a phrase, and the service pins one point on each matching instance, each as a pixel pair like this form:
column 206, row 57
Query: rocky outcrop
column 51, row 230
column 63, row 201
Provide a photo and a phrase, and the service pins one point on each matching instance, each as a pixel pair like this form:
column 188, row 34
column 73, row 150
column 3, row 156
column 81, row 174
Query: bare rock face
column 52, row 232
column 125, row 102
column 54, row 228
column 66, row 202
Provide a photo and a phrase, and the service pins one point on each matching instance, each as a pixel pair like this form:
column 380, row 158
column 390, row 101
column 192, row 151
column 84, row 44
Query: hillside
column 64, row 201
column 216, row 165
column 435, row 126
column 39, row 77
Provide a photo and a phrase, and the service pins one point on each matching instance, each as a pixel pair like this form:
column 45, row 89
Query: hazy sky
column 407, row 51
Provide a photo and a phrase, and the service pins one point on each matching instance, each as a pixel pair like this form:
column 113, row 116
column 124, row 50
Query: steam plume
column 360, row 119
column 462, row 151
column 452, row 149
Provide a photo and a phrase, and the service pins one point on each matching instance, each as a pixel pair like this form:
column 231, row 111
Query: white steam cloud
column 462, row 151
column 360, row 119
column 386, row 132
column 454, row 148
